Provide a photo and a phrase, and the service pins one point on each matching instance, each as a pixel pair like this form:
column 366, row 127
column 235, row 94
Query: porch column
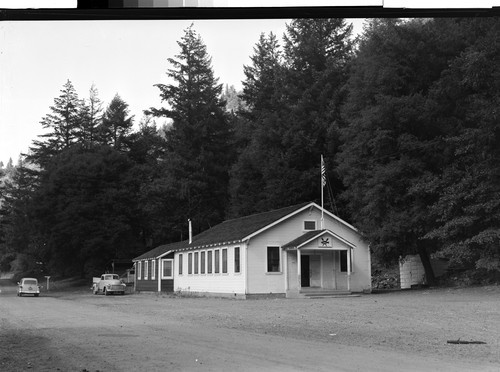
column 348, row 269
column 285, row 264
column 299, row 279
column 159, row 277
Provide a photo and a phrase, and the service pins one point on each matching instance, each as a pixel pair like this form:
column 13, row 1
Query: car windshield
column 30, row 281
column 110, row 277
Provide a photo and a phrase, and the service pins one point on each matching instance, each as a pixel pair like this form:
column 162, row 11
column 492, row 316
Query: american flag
column 323, row 172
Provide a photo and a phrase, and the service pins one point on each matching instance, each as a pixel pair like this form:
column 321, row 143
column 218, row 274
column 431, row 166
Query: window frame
column 153, row 269
column 202, row 263
column 343, row 265
column 309, row 221
column 196, row 263
column 216, row 261
column 224, row 261
column 146, row 270
column 190, row 263
column 268, row 263
column 163, row 261
column 237, row 260
column 180, row 264
column 210, row 264
column 139, row 270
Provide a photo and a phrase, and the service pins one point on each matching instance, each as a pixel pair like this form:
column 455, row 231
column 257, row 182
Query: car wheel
column 36, row 294
column 105, row 292
column 20, row 294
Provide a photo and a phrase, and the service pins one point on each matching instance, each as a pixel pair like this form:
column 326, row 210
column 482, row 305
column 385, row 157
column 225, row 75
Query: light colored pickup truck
column 108, row 284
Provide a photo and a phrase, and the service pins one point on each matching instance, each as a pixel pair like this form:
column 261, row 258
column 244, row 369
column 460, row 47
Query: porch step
column 327, row 294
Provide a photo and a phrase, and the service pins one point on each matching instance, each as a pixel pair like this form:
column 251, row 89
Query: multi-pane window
column 190, row 263
column 146, row 273
column 153, row 269
column 309, row 225
column 217, row 261
column 202, row 263
column 180, row 264
column 237, row 259
column 209, row 262
column 224, row 261
column 167, row 269
column 273, row 259
column 196, row 262
column 139, row 270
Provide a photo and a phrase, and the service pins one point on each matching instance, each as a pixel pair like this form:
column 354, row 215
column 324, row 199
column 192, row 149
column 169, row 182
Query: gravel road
column 78, row 331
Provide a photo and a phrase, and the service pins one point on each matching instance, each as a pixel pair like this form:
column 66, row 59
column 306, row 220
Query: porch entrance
column 310, row 270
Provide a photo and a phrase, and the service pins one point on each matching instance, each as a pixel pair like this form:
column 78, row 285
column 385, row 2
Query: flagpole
column 323, row 178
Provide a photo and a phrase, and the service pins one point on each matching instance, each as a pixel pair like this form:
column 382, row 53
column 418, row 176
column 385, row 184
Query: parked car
column 108, row 284
column 28, row 286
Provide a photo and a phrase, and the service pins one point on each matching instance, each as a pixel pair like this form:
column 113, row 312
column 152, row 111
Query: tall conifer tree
column 198, row 141
column 62, row 126
column 91, row 116
column 294, row 99
column 116, row 124
column 417, row 160
column 258, row 119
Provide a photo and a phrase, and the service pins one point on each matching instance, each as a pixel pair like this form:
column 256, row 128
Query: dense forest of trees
column 406, row 117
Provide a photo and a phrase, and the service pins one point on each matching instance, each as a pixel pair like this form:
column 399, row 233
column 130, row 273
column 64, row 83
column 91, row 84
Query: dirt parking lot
column 404, row 330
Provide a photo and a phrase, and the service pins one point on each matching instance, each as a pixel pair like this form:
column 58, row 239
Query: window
column 153, row 269
column 209, row 262
column 180, row 264
column 237, row 259
column 196, row 262
column 146, row 264
column 309, row 225
column 273, row 259
column 217, row 261
column 224, row 261
column 139, row 270
column 167, row 269
column 202, row 263
column 343, row 262
column 190, row 263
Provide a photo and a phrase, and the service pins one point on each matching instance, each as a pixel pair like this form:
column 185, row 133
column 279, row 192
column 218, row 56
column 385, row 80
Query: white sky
column 124, row 57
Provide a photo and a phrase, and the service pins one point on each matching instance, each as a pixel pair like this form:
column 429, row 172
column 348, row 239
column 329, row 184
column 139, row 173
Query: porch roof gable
column 309, row 236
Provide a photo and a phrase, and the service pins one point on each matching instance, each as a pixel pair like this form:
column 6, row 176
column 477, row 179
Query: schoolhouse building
column 288, row 252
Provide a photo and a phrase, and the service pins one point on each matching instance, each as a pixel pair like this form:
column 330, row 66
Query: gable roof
column 161, row 250
column 236, row 230
column 239, row 229
column 312, row 235
column 233, row 230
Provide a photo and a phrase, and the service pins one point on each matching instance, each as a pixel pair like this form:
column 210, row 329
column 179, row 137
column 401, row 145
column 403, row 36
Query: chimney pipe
column 190, row 232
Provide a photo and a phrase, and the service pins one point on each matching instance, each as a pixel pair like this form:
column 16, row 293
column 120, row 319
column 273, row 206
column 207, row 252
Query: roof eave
column 208, row 245
column 278, row 221
column 312, row 204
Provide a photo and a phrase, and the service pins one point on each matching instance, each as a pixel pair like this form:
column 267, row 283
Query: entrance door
column 315, row 271
column 304, row 270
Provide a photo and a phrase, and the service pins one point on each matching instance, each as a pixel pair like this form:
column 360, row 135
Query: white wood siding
column 259, row 281
column 229, row 282
column 253, row 277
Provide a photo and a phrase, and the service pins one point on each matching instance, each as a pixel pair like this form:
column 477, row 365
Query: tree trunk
column 426, row 262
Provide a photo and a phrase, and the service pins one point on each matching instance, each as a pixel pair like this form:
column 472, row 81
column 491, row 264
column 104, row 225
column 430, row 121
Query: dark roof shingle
column 228, row 231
